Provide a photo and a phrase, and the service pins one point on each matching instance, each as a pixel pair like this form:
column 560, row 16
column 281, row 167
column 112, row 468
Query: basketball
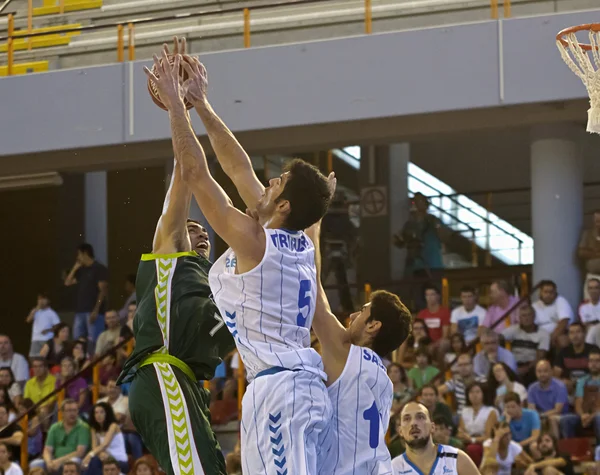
column 154, row 92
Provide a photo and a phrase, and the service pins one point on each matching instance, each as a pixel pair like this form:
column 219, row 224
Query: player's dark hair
column 86, row 249
column 308, row 192
column 109, row 417
column 396, row 322
column 190, row 220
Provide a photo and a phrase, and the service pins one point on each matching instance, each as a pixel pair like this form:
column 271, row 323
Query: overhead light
column 35, row 180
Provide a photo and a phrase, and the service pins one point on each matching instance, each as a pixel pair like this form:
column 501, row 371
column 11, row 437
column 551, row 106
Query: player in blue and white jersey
column 264, row 285
column 422, row 456
column 360, row 390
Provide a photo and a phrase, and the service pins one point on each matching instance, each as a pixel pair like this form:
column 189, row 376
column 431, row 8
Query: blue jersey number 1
column 303, row 301
column 372, row 415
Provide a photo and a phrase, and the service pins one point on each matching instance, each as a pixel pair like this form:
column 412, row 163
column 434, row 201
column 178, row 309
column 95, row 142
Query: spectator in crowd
column 108, row 370
column 120, row 405
column 131, row 298
column 435, row 316
column 145, row 465
column 589, row 251
column 131, row 309
column 7, row 380
column 34, row 430
column 15, row 361
column 429, row 397
column 67, row 440
column 502, row 301
column 549, row 461
column 109, row 337
column 524, row 423
column 396, row 444
column 55, row 349
column 552, row 311
column 41, row 385
column 76, row 389
column 10, row 435
column 111, row 467
column 501, row 381
column 91, row 279
column 507, row 452
column 529, row 343
column 6, row 401
column 69, row 468
column 107, row 440
column 589, row 310
column 80, row 357
column 476, row 421
column 233, row 461
column 458, row 346
column 467, row 318
column 442, row 433
column 6, row 466
column 423, row 372
column 572, row 361
column 43, row 319
column 418, row 339
column 548, row 396
column 458, row 384
column 489, row 466
column 587, row 402
column 492, row 353
column 400, row 386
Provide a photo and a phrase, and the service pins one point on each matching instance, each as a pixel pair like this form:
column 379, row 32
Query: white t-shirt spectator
column 468, row 323
column 475, row 424
column 506, row 464
column 19, row 366
column 43, row 319
column 548, row 316
column 589, row 313
column 14, row 469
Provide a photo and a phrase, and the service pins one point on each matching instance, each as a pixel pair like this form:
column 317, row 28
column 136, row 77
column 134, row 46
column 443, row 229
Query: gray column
column 557, row 206
column 195, row 212
column 96, row 232
column 399, row 203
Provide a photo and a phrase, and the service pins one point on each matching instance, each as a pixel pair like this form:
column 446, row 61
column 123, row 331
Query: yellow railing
column 30, row 34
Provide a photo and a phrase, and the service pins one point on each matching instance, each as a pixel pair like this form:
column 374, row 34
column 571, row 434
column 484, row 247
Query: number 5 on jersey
column 303, row 301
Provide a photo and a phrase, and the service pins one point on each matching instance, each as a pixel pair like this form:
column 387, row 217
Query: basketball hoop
column 577, row 56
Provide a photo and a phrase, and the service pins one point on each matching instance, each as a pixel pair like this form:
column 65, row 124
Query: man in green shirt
column 67, row 440
column 429, row 398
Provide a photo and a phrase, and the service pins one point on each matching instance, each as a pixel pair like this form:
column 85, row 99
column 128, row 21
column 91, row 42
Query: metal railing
column 131, row 24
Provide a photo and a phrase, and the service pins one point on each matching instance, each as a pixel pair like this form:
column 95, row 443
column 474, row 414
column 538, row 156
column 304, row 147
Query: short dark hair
column 86, row 248
column 468, row 289
column 39, row 359
column 512, row 397
column 547, row 283
column 440, row 421
column 44, row 295
column 74, row 464
column 395, row 318
column 429, row 386
column 308, row 192
column 503, row 285
column 422, row 351
column 110, row 461
column 578, row 324
column 431, row 287
column 594, row 350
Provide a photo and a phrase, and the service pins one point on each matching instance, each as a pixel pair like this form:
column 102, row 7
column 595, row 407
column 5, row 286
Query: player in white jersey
column 360, row 390
column 264, row 285
column 422, row 456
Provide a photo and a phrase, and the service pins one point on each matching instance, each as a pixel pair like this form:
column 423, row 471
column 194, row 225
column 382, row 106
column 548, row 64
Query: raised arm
column 242, row 233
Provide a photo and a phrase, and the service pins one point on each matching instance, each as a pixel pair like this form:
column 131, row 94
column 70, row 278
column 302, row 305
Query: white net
column 586, row 64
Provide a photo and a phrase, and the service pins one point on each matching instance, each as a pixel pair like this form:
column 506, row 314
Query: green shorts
column 171, row 413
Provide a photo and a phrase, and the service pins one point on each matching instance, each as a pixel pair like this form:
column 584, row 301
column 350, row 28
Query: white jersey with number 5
column 269, row 310
column 361, row 399
column 445, row 463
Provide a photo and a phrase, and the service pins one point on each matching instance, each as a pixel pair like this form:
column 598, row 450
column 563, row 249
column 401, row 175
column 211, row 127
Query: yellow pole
column 367, row 292
column 488, row 229
column 131, row 41
column 11, row 28
column 24, row 444
column 120, row 44
column 368, row 17
column 494, row 9
column 206, row 384
column 524, row 284
column 62, row 7
column 246, row 28
column 506, row 5
column 266, row 168
column 241, row 385
column 60, row 397
column 29, row 22
column 95, row 384
column 445, row 293
column 329, row 161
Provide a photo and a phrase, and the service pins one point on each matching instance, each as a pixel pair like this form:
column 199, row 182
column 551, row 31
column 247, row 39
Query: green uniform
column 180, row 339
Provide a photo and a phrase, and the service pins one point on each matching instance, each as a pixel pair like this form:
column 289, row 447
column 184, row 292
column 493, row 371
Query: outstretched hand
column 166, row 79
column 197, row 83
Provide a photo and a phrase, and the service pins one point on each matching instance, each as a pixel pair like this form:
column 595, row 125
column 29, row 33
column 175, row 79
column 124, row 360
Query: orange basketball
column 183, row 75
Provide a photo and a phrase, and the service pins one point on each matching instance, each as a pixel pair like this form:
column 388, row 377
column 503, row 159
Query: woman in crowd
column 78, row 388
column 145, row 465
column 476, row 421
column 418, row 339
column 507, row 453
column 81, row 359
column 503, row 380
column 57, row 348
column 7, row 380
column 400, row 386
column 458, row 346
column 34, row 432
column 6, row 466
column 423, row 372
column 6, row 401
column 107, row 440
column 108, row 370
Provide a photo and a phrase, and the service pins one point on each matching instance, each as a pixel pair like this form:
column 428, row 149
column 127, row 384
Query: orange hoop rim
column 595, row 27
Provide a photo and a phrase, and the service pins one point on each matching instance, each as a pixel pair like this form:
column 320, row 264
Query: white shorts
column 285, row 416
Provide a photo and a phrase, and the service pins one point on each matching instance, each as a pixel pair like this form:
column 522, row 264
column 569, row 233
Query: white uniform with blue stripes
column 361, row 399
column 445, row 463
column 269, row 311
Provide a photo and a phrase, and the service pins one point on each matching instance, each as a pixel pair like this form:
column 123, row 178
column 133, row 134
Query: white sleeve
column 481, row 314
column 509, row 333
column 235, row 361
column 55, row 318
column 454, row 315
column 564, row 309
column 544, row 340
column 21, row 368
column 590, row 337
